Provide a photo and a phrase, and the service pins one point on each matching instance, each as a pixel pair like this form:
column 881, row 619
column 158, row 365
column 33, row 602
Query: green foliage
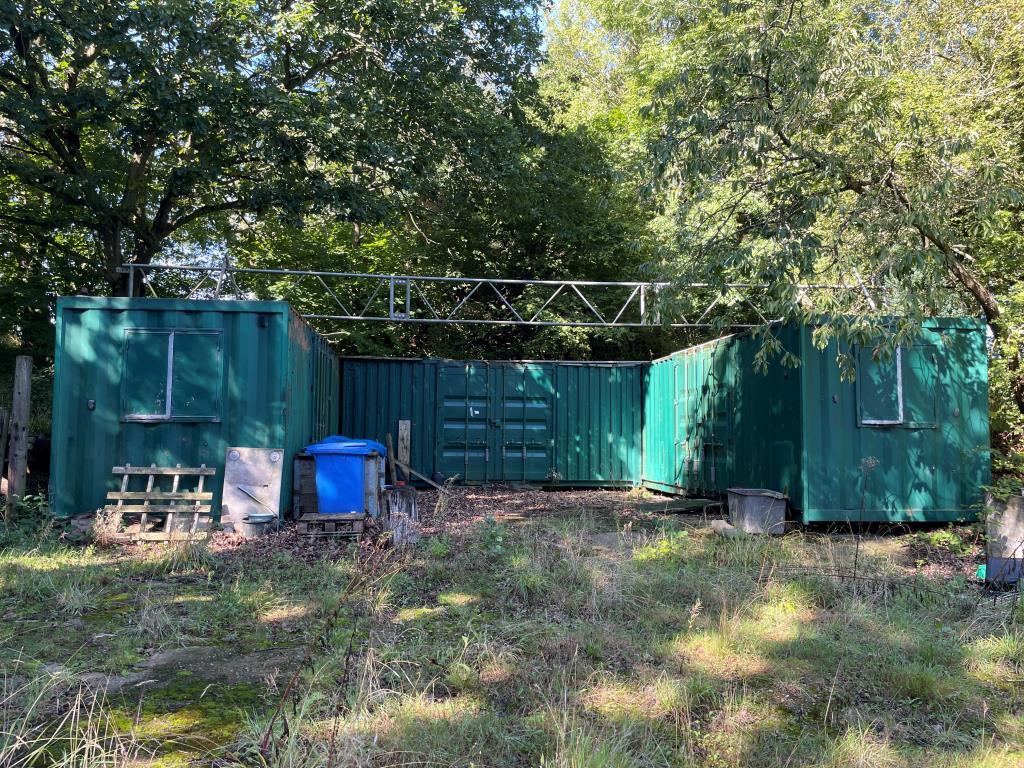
column 531, row 200
column 440, row 546
column 493, row 538
column 948, row 540
column 30, row 521
column 843, row 143
column 407, row 138
column 137, row 128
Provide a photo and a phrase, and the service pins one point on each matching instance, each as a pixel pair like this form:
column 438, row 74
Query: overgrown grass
column 76, row 617
column 580, row 642
column 574, row 641
column 49, row 722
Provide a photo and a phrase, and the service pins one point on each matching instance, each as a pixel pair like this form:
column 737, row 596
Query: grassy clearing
column 160, row 653
column 578, row 639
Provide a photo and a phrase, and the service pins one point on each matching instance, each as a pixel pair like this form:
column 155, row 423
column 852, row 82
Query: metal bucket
column 257, row 524
column 757, row 510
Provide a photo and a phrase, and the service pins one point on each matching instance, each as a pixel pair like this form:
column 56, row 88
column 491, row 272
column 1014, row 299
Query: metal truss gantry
column 341, row 296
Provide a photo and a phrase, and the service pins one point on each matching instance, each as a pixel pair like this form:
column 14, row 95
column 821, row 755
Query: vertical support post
column 643, row 305
column 131, row 281
column 18, row 463
column 5, row 423
column 391, row 460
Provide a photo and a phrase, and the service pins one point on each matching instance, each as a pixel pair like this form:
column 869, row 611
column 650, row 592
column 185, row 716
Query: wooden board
column 252, row 484
column 5, row 422
column 130, row 470
column 332, row 526
column 304, row 486
column 17, row 457
column 177, row 496
column 165, row 509
column 404, row 442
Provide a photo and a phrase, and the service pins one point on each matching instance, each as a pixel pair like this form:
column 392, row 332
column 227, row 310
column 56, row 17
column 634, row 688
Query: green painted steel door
column 709, row 430
column 720, row 440
column 524, row 434
column 694, row 445
column 682, row 407
column 464, row 418
column 897, row 405
column 497, row 422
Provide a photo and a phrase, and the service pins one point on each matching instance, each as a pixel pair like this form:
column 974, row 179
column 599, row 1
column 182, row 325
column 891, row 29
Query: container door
column 721, row 421
column 897, row 418
column 703, row 445
column 523, row 434
column 464, row 412
column 680, row 421
column 693, row 446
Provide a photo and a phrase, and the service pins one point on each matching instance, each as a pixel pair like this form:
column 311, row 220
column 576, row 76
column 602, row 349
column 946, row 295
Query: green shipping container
column 528, row 422
column 168, row 381
column 151, row 381
column 907, row 441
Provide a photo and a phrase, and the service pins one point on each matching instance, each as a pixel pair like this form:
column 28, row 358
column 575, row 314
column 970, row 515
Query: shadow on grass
column 676, row 648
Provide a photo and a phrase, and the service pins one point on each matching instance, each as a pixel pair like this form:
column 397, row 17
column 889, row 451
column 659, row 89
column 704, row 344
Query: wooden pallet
column 171, row 515
column 343, row 526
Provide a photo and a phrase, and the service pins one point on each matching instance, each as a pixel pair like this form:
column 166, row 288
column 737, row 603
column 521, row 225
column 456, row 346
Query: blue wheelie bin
column 349, row 475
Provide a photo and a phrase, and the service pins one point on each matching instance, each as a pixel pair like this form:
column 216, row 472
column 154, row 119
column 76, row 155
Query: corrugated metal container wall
column 312, row 399
column 598, row 423
column 378, row 393
column 661, row 470
column 765, row 436
column 502, row 421
column 908, row 440
column 688, row 419
column 226, row 365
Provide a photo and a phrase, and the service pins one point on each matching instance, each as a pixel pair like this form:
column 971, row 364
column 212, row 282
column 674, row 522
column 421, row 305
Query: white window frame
column 899, row 397
column 168, row 414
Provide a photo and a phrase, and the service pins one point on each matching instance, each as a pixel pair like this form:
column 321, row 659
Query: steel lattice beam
column 353, row 296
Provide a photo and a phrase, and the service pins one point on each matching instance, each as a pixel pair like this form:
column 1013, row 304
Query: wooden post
column 391, row 460
column 5, row 422
column 404, row 441
column 18, row 463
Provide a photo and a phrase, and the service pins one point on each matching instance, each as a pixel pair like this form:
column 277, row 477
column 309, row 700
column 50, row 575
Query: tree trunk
column 993, row 315
column 110, row 244
column 111, row 238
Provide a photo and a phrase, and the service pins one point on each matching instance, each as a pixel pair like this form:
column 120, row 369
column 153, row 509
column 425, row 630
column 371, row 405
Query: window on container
column 899, row 391
column 880, row 386
column 171, row 374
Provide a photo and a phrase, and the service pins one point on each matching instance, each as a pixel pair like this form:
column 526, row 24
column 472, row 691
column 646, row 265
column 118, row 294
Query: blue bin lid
column 343, row 445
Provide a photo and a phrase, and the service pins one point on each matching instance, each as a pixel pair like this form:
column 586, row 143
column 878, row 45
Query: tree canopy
column 876, row 145
column 135, row 123
column 873, row 145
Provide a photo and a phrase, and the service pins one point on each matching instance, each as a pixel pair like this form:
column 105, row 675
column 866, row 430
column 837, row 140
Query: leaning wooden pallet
column 341, row 526
column 175, row 514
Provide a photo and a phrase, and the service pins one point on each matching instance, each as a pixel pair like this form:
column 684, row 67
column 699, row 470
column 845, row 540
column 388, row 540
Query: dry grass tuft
column 106, row 527
column 44, row 722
